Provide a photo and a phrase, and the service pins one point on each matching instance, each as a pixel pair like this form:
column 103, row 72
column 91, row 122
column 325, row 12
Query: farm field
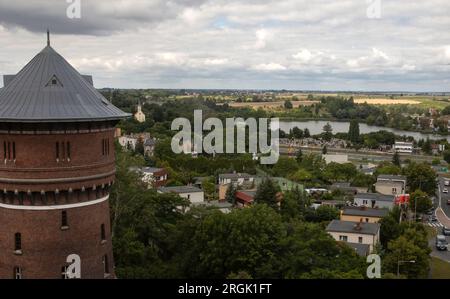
column 270, row 105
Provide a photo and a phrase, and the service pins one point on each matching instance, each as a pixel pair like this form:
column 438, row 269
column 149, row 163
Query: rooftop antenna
column 48, row 37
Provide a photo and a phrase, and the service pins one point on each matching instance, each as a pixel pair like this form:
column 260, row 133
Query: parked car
column 433, row 218
column 446, row 182
column 430, row 212
column 448, row 201
column 446, row 231
column 441, row 242
column 445, row 190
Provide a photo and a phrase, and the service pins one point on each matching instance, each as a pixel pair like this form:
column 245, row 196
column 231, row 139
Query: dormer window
column 54, row 81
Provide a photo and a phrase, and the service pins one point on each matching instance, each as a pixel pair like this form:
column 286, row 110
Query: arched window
column 106, row 264
column 17, row 242
column 102, row 232
column 64, row 221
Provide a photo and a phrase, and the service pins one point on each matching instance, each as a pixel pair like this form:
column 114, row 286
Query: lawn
column 439, row 269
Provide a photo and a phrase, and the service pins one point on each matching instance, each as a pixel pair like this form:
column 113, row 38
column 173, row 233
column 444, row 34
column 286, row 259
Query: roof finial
column 48, row 37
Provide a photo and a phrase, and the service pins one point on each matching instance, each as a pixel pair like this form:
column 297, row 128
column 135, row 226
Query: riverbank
column 315, row 126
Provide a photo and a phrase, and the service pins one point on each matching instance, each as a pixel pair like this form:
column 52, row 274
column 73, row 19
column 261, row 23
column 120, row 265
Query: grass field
column 387, row 101
column 270, row 105
column 439, row 269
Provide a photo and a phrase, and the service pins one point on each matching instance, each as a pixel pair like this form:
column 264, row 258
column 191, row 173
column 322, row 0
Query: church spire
column 48, row 37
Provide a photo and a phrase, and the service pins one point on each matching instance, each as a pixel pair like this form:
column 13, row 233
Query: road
column 442, row 214
column 357, row 155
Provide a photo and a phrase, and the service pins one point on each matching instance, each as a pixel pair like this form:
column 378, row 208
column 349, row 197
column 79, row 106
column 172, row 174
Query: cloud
column 269, row 67
column 285, row 44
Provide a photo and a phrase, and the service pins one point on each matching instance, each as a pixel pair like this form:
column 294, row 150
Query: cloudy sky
column 247, row 44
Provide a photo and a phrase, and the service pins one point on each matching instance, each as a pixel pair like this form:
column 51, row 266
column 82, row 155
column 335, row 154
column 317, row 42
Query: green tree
column 327, row 129
column 420, row 202
column 421, row 176
column 353, row 132
column 396, row 159
column 403, row 249
column 267, row 193
column 306, row 133
column 288, row 104
column 299, row 156
column 426, row 147
column 230, row 194
column 446, row 154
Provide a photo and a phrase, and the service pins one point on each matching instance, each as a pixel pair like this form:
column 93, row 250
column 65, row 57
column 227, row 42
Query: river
column 316, row 127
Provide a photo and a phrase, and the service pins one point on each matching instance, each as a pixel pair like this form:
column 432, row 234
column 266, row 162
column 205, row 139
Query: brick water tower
column 56, row 169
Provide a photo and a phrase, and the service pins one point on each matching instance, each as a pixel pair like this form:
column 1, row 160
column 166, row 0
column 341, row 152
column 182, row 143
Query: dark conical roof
column 49, row 89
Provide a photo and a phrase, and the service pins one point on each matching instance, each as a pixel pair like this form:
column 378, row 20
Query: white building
column 403, row 147
column 193, row 194
column 139, row 115
column 336, row 158
column 355, row 233
column 128, row 142
column 238, row 179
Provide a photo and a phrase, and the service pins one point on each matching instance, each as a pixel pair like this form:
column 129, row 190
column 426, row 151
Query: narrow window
column 17, row 273
column 103, row 147
column 14, row 150
column 4, row 150
column 360, row 240
column 63, row 150
column 68, row 150
column 102, row 232
column 105, row 264
column 9, row 150
column 57, row 150
column 64, row 222
column 17, row 242
column 107, row 146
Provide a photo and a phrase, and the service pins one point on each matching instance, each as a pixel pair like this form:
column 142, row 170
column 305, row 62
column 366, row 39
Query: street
column 442, row 211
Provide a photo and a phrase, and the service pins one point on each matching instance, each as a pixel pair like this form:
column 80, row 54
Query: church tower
column 139, row 115
column 58, row 164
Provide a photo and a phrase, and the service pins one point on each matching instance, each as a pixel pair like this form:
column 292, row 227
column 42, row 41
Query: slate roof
column 375, row 196
column 365, row 228
column 360, row 249
column 365, row 212
column 49, row 89
column 180, row 189
column 391, row 177
column 235, row 175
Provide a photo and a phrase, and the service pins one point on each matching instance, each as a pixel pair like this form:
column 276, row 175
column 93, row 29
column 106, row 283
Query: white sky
column 244, row 44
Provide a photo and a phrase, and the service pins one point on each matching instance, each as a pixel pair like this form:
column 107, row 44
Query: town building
column 363, row 214
column 355, row 232
column 245, row 198
column 344, row 187
column 154, row 177
column 374, row 200
column 239, row 179
column 149, row 147
column 390, row 184
column 139, row 115
column 403, row 147
column 57, row 143
column 191, row 193
column 336, row 158
column 128, row 142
